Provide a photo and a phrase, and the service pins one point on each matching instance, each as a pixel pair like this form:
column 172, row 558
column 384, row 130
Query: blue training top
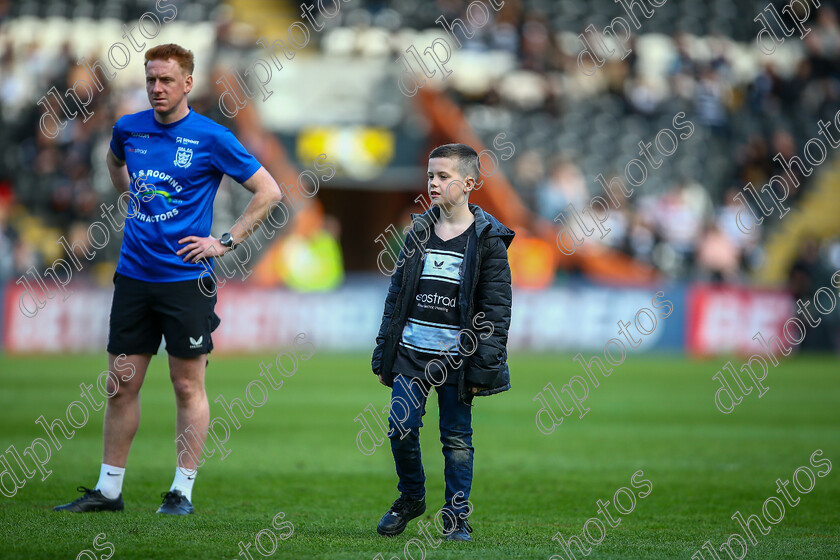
column 179, row 167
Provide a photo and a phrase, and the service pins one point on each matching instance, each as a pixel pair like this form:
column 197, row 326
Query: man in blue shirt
column 169, row 162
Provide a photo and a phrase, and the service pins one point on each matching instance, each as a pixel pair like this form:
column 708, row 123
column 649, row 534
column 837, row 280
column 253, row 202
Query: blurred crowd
column 54, row 187
column 747, row 107
column 564, row 124
column 687, row 227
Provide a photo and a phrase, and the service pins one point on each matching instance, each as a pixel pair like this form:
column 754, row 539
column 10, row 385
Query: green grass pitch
column 298, row 455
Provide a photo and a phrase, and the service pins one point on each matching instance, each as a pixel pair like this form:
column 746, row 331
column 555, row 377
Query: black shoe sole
column 172, row 506
column 179, row 511
column 93, row 510
column 395, row 533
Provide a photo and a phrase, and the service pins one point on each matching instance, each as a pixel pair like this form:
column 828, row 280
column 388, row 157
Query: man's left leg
column 193, row 416
column 188, row 320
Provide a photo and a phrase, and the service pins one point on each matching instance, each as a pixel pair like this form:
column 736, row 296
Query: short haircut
column 465, row 156
column 182, row 56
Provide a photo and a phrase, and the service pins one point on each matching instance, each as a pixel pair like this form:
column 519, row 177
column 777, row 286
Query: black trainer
column 93, row 500
column 460, row 531
column 175, row 503
column 404, row 510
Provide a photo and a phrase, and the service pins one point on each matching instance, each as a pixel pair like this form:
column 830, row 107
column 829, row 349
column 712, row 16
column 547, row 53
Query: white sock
column 110, row 481
column 184, row 481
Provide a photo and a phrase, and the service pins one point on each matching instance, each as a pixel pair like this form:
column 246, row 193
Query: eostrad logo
column 436, row 299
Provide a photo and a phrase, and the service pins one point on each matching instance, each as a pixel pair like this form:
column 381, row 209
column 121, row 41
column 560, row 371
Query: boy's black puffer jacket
column 484, row 297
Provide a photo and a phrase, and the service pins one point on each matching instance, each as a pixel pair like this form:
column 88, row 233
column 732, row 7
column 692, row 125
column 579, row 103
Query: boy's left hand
column 474, row 390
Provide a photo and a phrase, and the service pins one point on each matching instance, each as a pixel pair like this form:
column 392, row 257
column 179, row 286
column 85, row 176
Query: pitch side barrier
column 707, row 319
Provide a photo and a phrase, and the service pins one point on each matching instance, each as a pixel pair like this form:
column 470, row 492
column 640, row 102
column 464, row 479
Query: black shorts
column 142, row 312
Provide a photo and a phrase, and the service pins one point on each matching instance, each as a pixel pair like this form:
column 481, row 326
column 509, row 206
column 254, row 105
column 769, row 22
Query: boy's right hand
column 380, row 380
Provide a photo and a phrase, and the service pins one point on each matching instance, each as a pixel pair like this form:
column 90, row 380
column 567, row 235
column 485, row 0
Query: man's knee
column 123, row 394
column 186, row 388
column 187, row 375
column 124, row 376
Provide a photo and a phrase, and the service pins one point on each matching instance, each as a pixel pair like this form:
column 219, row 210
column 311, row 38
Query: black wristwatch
column 227, row 241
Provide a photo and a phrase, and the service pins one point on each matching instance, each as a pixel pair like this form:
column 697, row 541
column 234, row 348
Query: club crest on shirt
column 183, row 157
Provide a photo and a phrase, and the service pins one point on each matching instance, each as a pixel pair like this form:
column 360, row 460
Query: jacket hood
column 485, row 223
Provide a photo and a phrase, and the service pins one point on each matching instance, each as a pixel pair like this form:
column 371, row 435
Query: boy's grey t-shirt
column 431, row 331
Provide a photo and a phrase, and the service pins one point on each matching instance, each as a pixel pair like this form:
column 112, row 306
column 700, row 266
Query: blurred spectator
column 784, row 144
column 565, row 185
column 726, row 224
column 4, row 10
column 680, row 214
column 8, row 243
column 540, row 51
column 529, row 172
column 644, row 95
column 754, row 162
column 802, row 274
column 712, row 99
column 807, row 275
column 618, row 223
column 823, row 44
column 308, row 259
column 642, row 238
column 718, row 258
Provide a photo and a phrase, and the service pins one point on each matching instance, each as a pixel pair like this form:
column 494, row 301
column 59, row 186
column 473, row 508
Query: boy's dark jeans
column 408, row 405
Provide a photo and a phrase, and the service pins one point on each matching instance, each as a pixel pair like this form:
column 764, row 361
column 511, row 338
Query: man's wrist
column 227, row 241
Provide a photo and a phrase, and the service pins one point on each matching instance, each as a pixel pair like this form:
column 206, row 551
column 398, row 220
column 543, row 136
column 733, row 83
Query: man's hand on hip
column 201, row 248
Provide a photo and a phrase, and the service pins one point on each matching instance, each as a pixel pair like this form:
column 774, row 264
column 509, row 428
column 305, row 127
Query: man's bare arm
column 118, row 171
column 266, row 193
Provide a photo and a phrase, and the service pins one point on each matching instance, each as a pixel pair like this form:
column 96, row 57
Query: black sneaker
column 175, row 503
column 404, row 510
column 93, row 500
column 459, row 532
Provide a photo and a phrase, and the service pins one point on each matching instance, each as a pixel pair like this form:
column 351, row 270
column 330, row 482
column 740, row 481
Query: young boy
column 445, row 326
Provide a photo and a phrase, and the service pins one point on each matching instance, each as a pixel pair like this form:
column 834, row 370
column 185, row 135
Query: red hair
column 182, row 56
